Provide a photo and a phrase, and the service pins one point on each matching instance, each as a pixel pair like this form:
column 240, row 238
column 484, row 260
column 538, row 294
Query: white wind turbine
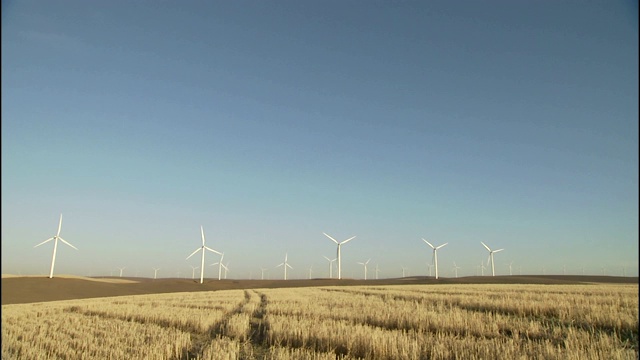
column 193, row 271
column 493, row 269
column 435, row 254
column 55, row 246
column 509, row 265
column 202, row 248
column 285, row 265
column 122, row 268
column 365, row 267
column 455, row 268
column 404, row 269
column 338, row 252
column 330, row 266
column 482, row 267
column 225, row 269
column 220, row 266
column 377, row 271
column 429, row 266
column 155, row 273
column 310, row 270
column 262, row 270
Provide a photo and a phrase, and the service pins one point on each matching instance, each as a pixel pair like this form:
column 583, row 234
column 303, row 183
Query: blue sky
column 513, row 123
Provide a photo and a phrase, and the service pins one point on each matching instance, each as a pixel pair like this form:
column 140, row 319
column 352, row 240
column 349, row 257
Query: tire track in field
column 255, row 347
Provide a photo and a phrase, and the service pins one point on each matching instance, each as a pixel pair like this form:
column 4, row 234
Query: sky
column 513, row 123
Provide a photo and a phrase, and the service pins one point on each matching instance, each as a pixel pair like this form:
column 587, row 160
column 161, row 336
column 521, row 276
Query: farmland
column 440, row 321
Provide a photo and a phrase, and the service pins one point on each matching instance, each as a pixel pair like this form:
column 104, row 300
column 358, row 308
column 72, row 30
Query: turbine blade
column 349, row 239
column 59, row 225
column 326, row 258
column 279, row 265
column 428, row 243
column 334, row 240
column 49, row 239
column 495, row 251
column 64, row 241
column 367, row 262
column 213, row 264
column 193, row 253
column 441, row 246
column 202, row 232
column 210, row 249
column 289, row 266
column 485, row 245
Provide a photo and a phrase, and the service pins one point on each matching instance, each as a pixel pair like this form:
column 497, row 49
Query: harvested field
column 416, row 321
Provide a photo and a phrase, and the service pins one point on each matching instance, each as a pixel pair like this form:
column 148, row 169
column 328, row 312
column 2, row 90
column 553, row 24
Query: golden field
column 413, row 321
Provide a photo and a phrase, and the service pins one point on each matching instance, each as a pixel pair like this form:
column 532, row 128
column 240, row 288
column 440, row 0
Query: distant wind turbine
column 155, row 273
column 202, row 248
column 491, row 252
column 285, row 265
column 55, row 239
column 482, row 267
column 330, row 266
column 220, row 266
column 262, row 270
column 310, row 270
column 338, row 252
column 429, row 266
column 435, row 254
column 403, row 270
column 193, row 271
column 455, row 268
column 122, row 268
column 365, row 267
column 509, row 265
column 377, row 271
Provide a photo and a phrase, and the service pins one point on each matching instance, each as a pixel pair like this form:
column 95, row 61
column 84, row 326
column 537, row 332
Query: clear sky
column 514, row 123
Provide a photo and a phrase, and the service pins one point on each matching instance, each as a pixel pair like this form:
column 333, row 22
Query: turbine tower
column 377, row 271
column 55, row 246
column 155, row 273
column 330, row 266
column 262, row 270
column 338, row 252
column 285, row 264
column 365, row 267
column 493, row 269
column 435, row 254
column 482, row 267
column 202, row 248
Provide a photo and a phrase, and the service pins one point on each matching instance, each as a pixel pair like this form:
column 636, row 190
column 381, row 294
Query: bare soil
column 32, row 289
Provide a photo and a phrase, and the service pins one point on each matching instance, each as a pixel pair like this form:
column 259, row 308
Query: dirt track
column 19, row 290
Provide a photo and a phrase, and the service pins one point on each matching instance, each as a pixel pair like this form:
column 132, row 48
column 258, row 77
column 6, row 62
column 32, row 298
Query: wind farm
column 343, row 134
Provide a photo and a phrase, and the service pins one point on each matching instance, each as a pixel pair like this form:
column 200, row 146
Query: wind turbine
column 493, row 269
column 365, row 268
column 338, row 252
column 262, row 270
column 310, row 270
column 509, row 265
column 455, row 268
column 55, row 246
column 220, row 265
column 285, row 264
column 122, row 268
column 377, row 271
column 403, row 270
column 155, row 273
column 330, row 266
column 482, row 267
column 225, row 269
column 429, row 266
column 202, row 248
column 193, row 271
column 435, row 254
